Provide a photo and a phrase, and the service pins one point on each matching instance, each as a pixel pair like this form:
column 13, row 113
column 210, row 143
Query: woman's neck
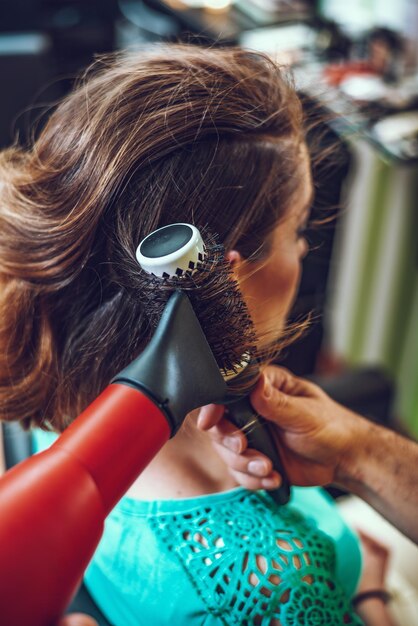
column 187, row 466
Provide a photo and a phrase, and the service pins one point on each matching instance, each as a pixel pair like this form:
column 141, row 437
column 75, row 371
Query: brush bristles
column 217, row 303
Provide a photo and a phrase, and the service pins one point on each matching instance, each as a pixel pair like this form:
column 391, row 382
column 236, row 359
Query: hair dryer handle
column 260, row 437
column 53, row 505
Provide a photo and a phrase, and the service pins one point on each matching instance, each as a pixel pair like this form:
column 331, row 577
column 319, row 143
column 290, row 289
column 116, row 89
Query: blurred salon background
column 356, row 64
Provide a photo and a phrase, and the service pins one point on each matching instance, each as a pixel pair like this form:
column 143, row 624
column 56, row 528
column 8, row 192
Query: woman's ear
column 234, row 258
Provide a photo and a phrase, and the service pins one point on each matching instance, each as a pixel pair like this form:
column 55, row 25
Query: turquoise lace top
column 226, row 559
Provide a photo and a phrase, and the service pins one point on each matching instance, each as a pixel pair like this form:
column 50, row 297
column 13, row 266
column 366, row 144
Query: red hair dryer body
column 52, row 506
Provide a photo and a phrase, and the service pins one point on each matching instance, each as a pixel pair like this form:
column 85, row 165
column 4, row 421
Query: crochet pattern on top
column 254, row 563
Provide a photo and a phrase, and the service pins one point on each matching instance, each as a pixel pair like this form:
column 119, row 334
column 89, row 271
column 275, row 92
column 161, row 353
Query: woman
column 212, row 137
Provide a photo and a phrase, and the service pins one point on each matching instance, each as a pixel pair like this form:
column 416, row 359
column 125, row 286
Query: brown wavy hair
column 175, row 133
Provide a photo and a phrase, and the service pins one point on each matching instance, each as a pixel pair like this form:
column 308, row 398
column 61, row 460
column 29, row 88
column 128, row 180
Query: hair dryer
column 53, row 505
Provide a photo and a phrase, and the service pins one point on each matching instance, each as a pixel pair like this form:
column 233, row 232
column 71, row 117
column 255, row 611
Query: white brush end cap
column 171, row 251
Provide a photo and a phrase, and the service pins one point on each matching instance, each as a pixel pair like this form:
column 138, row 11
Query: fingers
column 275, row 397
column 281, row 397
column 209, row 416
column 253, row 483
column 273, row 404
column 250, row 469
column 249, row 461
column 77, row 619
column 229, row 435
column 283, row 380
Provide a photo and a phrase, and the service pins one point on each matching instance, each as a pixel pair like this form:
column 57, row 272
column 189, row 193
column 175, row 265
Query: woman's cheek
column 290, row 281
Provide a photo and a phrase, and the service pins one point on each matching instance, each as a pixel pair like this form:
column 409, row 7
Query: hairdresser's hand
column 77, row 619
column 314, row 433
column 321, row 442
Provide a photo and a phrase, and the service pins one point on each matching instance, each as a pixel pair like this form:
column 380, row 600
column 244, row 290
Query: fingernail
column 233, row 443
column 201, row 418
column 271, row 483
column 201, row 422
column 268, row 389
column 257, row 467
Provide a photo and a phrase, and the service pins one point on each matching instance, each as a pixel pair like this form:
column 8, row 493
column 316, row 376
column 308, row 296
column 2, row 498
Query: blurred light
column 214, row 5
column 23, row 43
column 217, row 5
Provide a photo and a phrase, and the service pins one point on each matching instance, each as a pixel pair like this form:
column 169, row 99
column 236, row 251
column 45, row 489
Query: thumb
column 275, row 405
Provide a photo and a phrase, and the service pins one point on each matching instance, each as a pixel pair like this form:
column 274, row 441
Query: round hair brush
column 178, row 257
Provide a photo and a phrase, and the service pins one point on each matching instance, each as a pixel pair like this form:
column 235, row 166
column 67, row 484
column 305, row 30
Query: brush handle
column 53, row 505
column 260, row 437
